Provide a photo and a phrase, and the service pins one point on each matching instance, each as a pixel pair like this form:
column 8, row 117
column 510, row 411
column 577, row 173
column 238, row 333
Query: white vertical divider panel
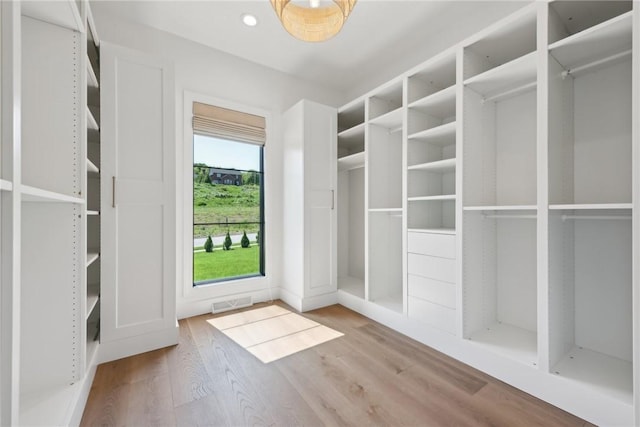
column 367, row 154
column 404, row 191
column 543, row 187
column 138, row 309
column 459, row 190
column 635, row 135
column 10, row 205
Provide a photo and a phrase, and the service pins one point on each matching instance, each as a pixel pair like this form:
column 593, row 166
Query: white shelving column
column 350, row 201
column 499, row 178
column 9, row 212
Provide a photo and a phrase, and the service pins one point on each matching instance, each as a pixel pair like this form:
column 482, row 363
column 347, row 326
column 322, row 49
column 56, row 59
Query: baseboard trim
column 309, row 303
column 126, row 347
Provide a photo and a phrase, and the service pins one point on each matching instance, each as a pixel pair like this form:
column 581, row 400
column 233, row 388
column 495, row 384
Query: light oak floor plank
column 370, row 376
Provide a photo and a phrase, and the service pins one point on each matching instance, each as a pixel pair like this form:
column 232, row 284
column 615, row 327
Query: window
column 228, row 195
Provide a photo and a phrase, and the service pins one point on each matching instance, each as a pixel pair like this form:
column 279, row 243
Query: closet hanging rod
column 602, row 61
column 567, row 217
column 507, row 93
column 394, row 130
column 506, row 216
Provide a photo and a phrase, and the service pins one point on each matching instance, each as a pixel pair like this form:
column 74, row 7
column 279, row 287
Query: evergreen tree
column 227, row 242
column 244, row 242
column 208, row 245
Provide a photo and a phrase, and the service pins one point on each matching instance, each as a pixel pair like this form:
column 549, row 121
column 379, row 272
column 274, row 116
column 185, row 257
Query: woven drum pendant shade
column 313, row 24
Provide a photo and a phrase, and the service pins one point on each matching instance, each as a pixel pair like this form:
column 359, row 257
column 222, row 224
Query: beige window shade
column 228, row 124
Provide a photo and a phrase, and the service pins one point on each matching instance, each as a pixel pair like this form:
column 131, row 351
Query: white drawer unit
column 435, row 315
column 437, row 268
column 436, row 291
column 440, row 245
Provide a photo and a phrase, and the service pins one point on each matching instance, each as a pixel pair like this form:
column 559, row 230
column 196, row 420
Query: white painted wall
column 212, row 73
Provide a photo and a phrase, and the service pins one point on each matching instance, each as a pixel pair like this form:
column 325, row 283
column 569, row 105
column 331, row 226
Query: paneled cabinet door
column 138, row 201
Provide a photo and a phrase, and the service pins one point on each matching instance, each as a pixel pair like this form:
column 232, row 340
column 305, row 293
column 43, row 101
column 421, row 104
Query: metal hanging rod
column 569, row 217
column 514, row 91
column 507, row 216
column 596, row 63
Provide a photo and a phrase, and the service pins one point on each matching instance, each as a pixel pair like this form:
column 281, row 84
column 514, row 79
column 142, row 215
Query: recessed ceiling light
column 249, row 20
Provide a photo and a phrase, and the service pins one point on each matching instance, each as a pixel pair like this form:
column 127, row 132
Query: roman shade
column 224, row 123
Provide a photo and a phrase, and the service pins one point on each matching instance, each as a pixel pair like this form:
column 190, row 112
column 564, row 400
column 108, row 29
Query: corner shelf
column 446, row 165
column 440, row 104
column 508, row 78
column 391, row 120
column 92, row 257
column 352, row 161
column 6, row 185
column 441, row 230
column 608, row 39
column 432, row 198
column 438, row 134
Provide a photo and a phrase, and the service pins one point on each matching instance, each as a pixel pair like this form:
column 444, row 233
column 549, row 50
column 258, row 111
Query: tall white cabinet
column 309, row 241
column 488, row 204
column 138, row 256
column 48, row 350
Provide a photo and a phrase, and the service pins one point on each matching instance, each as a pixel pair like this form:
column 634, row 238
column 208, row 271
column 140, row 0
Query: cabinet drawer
column 435, row 315
column 437, row 268
column 442, row 293
column 441, row 245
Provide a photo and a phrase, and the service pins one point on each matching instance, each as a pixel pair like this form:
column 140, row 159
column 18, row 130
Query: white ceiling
column 377, row 34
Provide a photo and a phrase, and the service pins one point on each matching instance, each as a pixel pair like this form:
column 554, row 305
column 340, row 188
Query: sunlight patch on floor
column 273, row 332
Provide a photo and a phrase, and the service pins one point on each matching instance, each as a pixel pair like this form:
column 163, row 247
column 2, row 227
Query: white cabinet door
column 320, row 215
column 138, row 202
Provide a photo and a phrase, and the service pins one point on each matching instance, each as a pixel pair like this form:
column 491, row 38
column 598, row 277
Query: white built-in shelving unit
column 500, row 220
column 44, row 174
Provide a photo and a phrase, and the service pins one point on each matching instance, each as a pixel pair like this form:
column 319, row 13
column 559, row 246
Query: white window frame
column 257, row 286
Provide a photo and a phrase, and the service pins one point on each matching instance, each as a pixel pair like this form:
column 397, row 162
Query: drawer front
column 440, row 245
column 434, row 315
column 442, row 293
column 441, row 269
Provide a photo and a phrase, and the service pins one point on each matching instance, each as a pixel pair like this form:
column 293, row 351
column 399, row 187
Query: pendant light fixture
column 315, row 23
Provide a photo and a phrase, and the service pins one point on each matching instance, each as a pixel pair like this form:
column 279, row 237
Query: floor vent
column 231, row 304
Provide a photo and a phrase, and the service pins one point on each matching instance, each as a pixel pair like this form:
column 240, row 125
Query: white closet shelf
column 596, row 43
column 591, row 206
column 507, row 78
column 392, row 302
column 92, row 124
column 442, row 230
column 93, row 213
column 440, row 134
column 432, row 198
column 351, row 285
column 34, row 194
column 511, row 341
column 64, row 13
column 390, row 120
column 352, row 161
column 502, row 208
column 6, row 185
column 353, row 132
column 92, row 79
column 389, row 210
column 446, row 165
column 441, row 104
column 91, row 167
column 92, row 257
column 609, row 375
column 92, row 300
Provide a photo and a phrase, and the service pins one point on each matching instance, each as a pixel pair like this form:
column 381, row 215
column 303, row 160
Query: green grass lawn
column 221, row 203
column 221, row 264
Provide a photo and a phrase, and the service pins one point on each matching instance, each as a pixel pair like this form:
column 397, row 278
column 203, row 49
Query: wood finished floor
column 370, row 376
